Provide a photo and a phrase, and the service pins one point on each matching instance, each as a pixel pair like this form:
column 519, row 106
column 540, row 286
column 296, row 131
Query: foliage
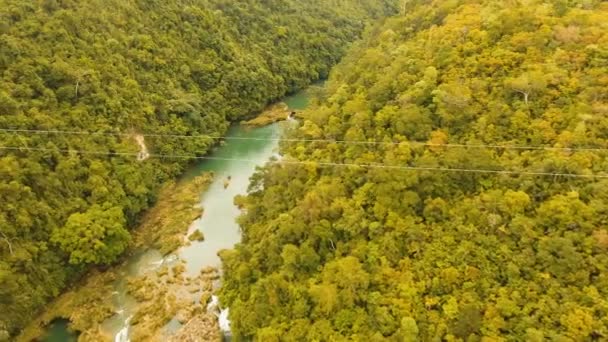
column 163, row 226
column 360, row 253
column 197, row 235
column 94, row 237
column 85, row 306
column 119, row 69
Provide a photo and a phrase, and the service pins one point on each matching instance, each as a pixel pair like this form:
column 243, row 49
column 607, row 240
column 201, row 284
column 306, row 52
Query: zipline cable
column 314, row 163
column 346, row 142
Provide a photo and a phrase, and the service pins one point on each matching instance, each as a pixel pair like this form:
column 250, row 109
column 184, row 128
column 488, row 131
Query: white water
column 123, row 334
column 222, row 315
column 213, row 304
column 224, row 321
column 147, row 262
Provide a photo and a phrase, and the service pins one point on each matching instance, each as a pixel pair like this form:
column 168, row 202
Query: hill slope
column 359, row 253
column 121, row 68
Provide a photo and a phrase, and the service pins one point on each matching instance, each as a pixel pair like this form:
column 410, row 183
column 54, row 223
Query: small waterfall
column 222, row 315
column 155, row 265
column 224, row 321
column 169, row 258
column 213, row 304
column 123, row 334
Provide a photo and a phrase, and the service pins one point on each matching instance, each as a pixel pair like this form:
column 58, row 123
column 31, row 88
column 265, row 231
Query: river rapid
column 232, row 164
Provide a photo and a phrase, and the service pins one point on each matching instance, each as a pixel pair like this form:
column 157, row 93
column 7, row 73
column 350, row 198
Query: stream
column 218, row 223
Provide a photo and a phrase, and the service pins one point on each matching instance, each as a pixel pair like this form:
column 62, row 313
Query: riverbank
column 164, row 226
column 88, row 303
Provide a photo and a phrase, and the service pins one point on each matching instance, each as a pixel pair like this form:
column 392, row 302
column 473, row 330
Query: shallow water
column 301, row 99
column 298, row 101
column 141, row 262
column 236, row 159
column 58, row 332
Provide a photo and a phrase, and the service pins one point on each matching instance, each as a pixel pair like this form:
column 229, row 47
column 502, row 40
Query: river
column 245, row 148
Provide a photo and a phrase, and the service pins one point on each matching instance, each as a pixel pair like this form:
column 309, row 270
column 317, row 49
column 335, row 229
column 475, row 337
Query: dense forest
column 120, row 69
column 515, row 249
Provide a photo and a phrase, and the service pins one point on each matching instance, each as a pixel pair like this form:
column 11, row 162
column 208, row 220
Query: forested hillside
column 514, row 249
column 119, row 69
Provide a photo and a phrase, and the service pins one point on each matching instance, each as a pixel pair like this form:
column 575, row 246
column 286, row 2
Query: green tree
column 528, row 84
column 97, row 236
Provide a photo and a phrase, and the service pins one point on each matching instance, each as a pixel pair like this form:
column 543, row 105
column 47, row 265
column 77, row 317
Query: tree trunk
column 525, row 94
column 333, row 247
column 403, row 6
